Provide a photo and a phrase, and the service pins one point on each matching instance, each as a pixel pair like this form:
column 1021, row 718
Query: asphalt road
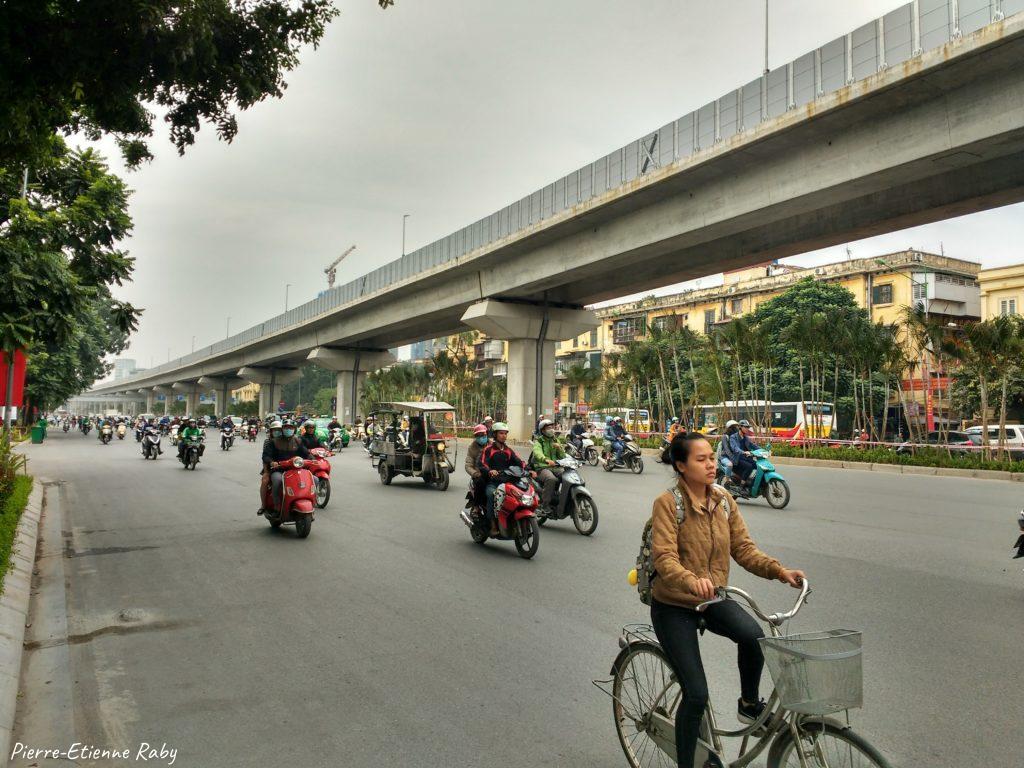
column 388, row 638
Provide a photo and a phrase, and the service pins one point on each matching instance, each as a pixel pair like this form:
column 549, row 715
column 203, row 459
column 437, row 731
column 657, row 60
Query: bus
column 788, row 420
column 633, row 419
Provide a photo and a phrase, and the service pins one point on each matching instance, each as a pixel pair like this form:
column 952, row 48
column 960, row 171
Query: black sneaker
column 748, row 713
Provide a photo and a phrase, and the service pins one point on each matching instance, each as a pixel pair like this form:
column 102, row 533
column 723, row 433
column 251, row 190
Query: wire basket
column 817, row 673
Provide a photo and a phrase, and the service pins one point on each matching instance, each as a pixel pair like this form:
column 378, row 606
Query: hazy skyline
column 448, row 111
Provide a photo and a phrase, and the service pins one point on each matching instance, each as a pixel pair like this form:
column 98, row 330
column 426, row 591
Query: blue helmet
column 607, row 419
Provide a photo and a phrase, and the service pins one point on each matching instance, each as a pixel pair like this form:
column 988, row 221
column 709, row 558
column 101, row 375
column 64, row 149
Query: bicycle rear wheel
column 825, row 744
column 641, row 674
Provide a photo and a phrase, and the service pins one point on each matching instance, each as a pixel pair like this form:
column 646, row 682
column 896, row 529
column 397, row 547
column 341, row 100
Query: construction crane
column 332, row 270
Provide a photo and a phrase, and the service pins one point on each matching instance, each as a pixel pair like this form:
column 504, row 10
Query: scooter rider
column 190, row 432
column 309, row 438
column 724, row 453
column 576, row 433
column 740, row 447
column 334, row 424
column 495, row 459
column 547, row 451
column 480, row 441
column 611, row 439
column 280, row 446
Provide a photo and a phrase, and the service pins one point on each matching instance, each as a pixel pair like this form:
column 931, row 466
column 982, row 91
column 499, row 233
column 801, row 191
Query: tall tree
column 96, row 67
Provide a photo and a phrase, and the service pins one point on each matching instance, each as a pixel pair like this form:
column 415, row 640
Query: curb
column 901, row 469
column 14, row 604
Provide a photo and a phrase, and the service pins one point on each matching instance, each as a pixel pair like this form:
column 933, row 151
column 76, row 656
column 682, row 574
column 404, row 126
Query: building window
column 709, row 320
column 736, row 306
column 920, row 291
column 627, row 329
column 1008, row 307
column 593, row 338
column 882, row 294
column 666, row 323
column 573, row 392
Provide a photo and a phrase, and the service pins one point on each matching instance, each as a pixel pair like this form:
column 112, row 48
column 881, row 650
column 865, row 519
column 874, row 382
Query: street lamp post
column 227, row 327
column 405, row 217
column 286, row 287
column 193, row 344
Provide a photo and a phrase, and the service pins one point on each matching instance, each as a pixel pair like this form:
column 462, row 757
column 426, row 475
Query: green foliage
column 923, row 457
column 59, row 249
column 70, row 66
column 322, row 400
column 245, row 408
column 313, row 378
column 13, row 498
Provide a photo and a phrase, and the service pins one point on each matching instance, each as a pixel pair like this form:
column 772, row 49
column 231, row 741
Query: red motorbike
column 299, row 497
column 251, row 432
column 321, row 469
column 515, row 500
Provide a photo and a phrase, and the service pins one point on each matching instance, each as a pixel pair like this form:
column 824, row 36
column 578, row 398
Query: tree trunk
column 1002, row 418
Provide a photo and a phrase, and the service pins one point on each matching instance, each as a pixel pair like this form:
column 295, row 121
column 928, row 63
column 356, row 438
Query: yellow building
column 884, row 285
column 1002, row 291
column 247, row 394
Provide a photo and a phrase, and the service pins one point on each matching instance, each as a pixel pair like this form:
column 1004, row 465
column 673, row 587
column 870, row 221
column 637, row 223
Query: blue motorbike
column 767, row 481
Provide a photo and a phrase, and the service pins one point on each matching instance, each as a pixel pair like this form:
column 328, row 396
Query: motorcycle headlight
column 441, row 446
column 297, row 462
column 527, row 499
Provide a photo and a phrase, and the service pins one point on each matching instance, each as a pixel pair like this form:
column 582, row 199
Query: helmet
column 675, row 420
column 275, row 425
column 618, row 419
column 545, row 423
column 500, row 426
column 744, row 423
column 608, row 419
column 731, row 423
column 487, row 419
column 479, row 429
column 191, row 420
column 307, row 425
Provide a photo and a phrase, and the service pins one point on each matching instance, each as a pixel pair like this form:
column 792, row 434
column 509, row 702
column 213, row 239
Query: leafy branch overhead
column 100, row 68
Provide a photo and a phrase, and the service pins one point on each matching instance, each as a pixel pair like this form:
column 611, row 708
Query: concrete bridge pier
column 221, row 386
column 150, row 399
column 351, row 366
column 168, row 393
column 191, row 392
column 531, row 332
column 271, row 381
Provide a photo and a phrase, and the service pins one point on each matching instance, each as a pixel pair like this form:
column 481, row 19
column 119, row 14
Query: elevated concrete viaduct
column 939, row 135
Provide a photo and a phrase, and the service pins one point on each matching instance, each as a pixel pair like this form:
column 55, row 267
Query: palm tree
column 976, row 348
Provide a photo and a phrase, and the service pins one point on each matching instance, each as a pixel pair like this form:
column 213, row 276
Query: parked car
column 1014, row 438
column 959, row 442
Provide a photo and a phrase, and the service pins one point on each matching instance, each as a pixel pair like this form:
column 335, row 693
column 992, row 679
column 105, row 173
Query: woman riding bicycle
column 692, row 559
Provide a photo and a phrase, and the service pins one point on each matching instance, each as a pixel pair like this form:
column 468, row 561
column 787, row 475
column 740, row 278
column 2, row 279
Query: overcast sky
column 448, row 110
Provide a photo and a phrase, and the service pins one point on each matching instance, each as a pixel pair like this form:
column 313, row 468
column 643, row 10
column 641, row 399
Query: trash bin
column 37, row 434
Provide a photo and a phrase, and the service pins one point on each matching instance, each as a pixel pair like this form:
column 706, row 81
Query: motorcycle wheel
column 478, row 534
column 193, row 460
column 303, row 525
column 584, row 515
column 776, row 493
column 606, row 464
column 275, row 524
column 592, row 457
column 528, row 538
column 637, row 465
column 441, row 482
column 323, row 492
column 385, row 473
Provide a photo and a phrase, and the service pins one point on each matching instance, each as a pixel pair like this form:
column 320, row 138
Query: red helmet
column 479, row 429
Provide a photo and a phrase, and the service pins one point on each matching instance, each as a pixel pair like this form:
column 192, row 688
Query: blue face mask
column 289, row 432
column 482, row 440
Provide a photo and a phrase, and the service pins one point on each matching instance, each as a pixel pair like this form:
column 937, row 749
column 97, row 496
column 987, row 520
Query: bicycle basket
column 816, row 673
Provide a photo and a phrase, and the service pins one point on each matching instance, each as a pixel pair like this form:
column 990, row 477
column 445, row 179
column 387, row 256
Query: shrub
column 924, row 457
column 12, row 504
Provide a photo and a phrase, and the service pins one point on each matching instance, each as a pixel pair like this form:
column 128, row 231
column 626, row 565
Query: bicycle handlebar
column 775, row 618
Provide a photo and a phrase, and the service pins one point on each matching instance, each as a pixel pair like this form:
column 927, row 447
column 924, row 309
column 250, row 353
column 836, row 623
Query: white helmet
column 545, row 423
column 731, row 423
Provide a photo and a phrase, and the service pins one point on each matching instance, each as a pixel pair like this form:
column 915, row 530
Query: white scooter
column 587, row 452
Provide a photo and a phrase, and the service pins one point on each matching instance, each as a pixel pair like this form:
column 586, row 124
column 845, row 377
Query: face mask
column 549, row 432
column 289, row 432
column 482, row 440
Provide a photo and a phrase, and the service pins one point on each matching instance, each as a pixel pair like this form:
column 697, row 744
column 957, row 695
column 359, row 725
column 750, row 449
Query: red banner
column 19, row 379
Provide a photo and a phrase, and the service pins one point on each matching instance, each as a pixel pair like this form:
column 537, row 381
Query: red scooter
column 515, row 499
column 321, row 469
column 299, row 497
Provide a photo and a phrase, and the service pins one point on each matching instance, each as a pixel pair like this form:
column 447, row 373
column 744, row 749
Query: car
column 1014, row 438
column 958, row 442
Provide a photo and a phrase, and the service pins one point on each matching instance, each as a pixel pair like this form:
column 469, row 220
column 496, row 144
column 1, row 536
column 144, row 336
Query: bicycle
column 816, row 674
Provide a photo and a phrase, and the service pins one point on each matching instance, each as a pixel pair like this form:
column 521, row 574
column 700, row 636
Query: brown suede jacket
column 701, row 546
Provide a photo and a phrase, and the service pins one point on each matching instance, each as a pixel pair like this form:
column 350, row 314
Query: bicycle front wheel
column 825, row 744
column 641, row 676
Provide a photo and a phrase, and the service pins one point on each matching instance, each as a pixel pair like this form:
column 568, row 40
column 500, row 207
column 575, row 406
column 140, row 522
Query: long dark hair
column 679, row 448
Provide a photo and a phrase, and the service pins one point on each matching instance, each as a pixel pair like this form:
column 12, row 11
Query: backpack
column 645, row 570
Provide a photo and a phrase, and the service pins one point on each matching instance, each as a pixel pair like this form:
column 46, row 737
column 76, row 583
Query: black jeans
column 676, row 629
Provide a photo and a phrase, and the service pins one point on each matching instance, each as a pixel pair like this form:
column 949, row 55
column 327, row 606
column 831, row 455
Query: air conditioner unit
column 917, row 257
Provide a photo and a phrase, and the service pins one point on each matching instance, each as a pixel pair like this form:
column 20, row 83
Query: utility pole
column 227, row 327
column 286, row 287
column 405, row 217
column 766, row 37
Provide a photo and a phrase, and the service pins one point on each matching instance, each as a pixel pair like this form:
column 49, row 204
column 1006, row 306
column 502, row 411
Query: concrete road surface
column 388, row 638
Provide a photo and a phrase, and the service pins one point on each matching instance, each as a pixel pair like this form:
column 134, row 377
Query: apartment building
column 1002, row 291
column 946, row 287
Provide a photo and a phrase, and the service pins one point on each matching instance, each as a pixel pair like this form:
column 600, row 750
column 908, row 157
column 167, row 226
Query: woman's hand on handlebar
column 795, row 578
column 704, row 589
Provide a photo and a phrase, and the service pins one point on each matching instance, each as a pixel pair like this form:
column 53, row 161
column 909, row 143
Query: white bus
column 787, row 420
